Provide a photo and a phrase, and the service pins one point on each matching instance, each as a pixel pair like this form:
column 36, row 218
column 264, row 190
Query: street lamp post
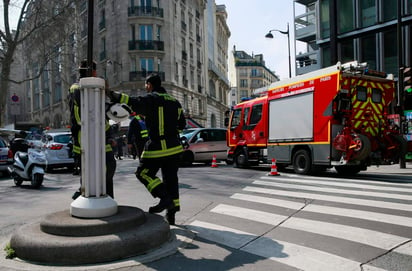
column 270, row 36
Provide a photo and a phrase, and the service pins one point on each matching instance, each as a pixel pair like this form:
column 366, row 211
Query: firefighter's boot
column 170, row 217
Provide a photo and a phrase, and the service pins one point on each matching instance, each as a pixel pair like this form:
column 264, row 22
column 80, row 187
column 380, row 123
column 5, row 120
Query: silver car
column 56, row 146
column 6, row 156
column 201, row 144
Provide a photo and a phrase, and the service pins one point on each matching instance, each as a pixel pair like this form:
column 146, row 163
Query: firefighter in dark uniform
column 75, row 119
column 164, row 120
column 137, row 135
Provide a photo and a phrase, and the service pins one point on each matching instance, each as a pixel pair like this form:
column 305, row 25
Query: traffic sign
column 15, row 98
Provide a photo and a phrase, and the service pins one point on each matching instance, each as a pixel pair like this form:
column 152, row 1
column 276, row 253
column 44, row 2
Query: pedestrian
column 75, row 121
column 137, row 135
column 120, row 144
column 164, row 120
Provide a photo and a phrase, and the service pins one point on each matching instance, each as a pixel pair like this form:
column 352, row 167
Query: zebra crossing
column 316, row 223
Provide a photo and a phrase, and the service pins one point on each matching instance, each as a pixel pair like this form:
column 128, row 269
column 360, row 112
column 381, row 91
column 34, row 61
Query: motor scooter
column 28, row 166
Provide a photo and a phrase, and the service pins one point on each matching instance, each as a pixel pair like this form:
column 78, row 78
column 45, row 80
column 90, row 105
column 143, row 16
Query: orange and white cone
column 274, row 168
column 214, row 164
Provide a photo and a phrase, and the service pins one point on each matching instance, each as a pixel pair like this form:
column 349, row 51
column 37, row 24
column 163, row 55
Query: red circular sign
column 15, row 98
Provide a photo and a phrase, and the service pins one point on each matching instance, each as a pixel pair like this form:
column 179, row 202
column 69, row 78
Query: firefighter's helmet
column 118, row 112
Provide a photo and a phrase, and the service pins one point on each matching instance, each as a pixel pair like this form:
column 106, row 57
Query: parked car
column 34, row 139
column 200, row 144
column 6, row 156
column 56, row 146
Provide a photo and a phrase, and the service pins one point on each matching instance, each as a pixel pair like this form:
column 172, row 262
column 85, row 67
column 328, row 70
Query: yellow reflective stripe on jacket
column 144, row 133
column 162, row 153
column 108, row 148
column 176, row 202
column 77, row 114
column 161, row 121
column 124, row 99
column 76, row 149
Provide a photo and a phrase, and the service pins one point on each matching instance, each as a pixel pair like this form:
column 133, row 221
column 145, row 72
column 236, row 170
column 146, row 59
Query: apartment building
column 247, row 73
column 185, row 42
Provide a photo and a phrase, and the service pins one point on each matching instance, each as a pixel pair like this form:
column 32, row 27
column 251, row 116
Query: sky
column 249, row 22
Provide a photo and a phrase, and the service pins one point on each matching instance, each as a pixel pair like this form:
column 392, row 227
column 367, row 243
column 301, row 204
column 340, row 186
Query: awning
column 191, row 123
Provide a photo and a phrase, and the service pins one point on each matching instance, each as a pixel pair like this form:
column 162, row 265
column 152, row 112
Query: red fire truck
column 333, row 117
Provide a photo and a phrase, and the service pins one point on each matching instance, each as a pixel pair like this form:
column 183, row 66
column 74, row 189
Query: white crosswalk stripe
column 341, row 199
column 317, row 200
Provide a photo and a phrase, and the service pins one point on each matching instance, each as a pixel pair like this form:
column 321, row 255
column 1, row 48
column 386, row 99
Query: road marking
column 220, row 234
column 341, row 199
column 297, row 256
column 359, row 235
column 334, row 190
column 338, row 211
column 338, row 183
column 270, row 201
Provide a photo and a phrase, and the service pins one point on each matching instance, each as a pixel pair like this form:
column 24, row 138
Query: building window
column 367, row 13
column 45, row 88
column 390, row 53
column 146, row 65
column 389, row 10
column 408, row 7
column 326, row 60
column 146, row 32
column 324, row 19
column 102, row 48
column 346, row 20
column 368, row 50
column 244, row 93
column 243, row 83
column 213, row 120
column 347, row 51
column 212, row 88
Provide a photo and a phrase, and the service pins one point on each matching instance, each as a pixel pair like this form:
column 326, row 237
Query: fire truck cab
column 333, row 117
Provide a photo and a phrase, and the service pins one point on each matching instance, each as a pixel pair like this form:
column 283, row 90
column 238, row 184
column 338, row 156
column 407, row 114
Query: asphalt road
column 237, row 219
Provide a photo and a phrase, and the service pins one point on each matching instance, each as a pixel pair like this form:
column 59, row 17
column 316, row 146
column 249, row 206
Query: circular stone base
column 31, row 243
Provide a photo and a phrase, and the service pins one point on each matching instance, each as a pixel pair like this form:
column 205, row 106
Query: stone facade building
column 184, row 41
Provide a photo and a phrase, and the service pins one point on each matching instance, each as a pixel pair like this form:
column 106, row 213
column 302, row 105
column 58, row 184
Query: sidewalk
column 390, row 169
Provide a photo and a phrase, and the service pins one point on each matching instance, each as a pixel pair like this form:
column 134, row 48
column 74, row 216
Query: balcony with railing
column 143, row 45
column 141, row 75
column 138, row 11
column 307, row 62
column 305, row 26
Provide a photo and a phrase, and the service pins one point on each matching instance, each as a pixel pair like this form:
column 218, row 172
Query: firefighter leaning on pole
column 164, row 120
column 75, row 122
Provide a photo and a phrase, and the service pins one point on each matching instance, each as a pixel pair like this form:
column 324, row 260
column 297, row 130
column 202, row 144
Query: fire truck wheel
column 348, row 170
column 240, row 159
column 187, row 158
column 363, row 148
column 302, row 162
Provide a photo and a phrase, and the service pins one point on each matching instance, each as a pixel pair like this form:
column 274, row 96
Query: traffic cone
column 214, row 161
column 274, row 168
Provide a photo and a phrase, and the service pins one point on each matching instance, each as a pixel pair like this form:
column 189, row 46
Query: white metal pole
column 95, row 203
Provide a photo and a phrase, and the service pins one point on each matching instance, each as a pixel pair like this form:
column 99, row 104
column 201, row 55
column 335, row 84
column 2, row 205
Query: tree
column 36, row 18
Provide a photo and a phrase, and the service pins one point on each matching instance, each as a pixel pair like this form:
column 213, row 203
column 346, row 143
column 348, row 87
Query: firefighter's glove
column 114, row 96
